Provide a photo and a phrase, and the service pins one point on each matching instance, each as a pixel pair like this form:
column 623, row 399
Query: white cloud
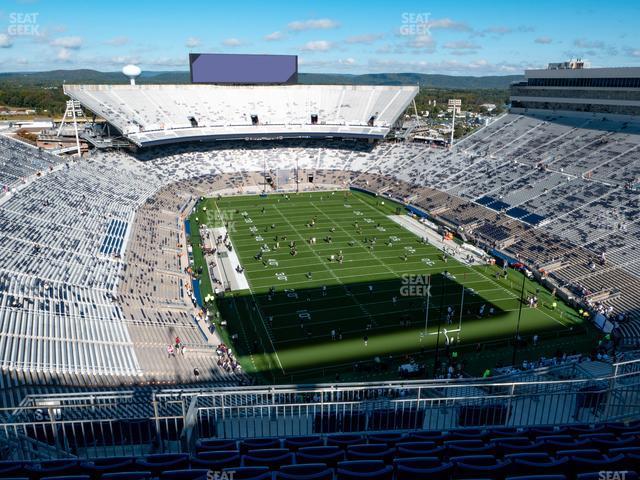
column 504, row 30
column 64, row 55
column 422, row 42
column 233, row 42
column 447, row 24
column 582, row 43
column 67, row 42
column 498, row 30
column 117, row 41
column 316, row 24
column 595, row 47
column 5, row 40
column 475, row 67
column 274, row 36
column 632, row 52
column 192, row 42
column 366, row 38
column 347, row 61
column 317, row 46
column 544, row 40
column 461, row 45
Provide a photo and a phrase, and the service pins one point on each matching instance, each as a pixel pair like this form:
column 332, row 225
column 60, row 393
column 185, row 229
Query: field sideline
column 308, row 311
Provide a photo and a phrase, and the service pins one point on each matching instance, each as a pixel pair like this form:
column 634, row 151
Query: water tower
column 131, row 71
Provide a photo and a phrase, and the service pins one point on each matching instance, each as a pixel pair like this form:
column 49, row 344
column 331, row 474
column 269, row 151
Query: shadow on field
column 293, row 330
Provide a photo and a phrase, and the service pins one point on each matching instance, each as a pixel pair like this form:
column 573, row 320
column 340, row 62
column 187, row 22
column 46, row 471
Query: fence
column 140, row 422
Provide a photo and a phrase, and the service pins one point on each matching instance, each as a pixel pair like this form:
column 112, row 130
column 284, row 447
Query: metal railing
column 142, row 422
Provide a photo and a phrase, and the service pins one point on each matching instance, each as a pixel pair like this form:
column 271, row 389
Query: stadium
column 248, row 277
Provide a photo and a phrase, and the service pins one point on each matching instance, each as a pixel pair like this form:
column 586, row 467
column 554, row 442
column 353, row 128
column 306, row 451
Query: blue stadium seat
column 99, row 466
column 584, row 464
column 506, row 432
column 620, row 427
column 540, row 466
column 216, row 460
column 370, row 451
column 163, row 461
column 500, row 443
column 506, row 448
column 8, row 468
column 531, row 456
column 259, row 444
column 343, row 441
column 249, row 473
column 417, row 470
column 364, row 470
column 127, row 476
column 390, row 439
column 417, row 463
column 431, row 436
column 295, row 443
column 579, row 452
column 273, row 458
column 479, row 466
column 196, row 474
column 329, row 455
column 467, row 447
column 53, row 468
column 535, row 432
column 419, row 449
column 67, row 477
column 538, row 477
column 564, row 442
column 215, row 444
column 631, row 454
column 468, row 434
column 312, row 471
column 585, row 429
column 611, row 443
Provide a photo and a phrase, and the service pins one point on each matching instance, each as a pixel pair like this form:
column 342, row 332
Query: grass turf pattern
column 285, row 322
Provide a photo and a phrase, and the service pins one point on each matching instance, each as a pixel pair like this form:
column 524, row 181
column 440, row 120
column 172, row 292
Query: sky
column 454, row 37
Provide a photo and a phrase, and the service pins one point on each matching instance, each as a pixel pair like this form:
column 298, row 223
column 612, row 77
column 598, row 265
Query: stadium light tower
column 454, row 107
column 131, row 71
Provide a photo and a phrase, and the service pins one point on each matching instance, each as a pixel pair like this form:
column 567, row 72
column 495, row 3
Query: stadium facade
column 570, row 87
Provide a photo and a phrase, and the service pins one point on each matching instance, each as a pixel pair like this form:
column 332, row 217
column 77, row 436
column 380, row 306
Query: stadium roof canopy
column 156, row 114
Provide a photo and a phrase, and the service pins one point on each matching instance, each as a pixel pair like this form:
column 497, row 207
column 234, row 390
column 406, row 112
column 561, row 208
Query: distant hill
column 422, row 79
column 57, row 77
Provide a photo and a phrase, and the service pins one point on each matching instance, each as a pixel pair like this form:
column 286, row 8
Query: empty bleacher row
column 20, row 161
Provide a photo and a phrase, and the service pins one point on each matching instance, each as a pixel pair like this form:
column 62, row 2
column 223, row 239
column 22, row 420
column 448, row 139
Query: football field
column 334, row 280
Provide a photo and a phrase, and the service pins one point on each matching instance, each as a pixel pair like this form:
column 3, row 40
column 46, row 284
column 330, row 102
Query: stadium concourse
column 92, row 277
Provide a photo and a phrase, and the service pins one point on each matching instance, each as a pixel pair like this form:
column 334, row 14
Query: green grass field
column 290, row 330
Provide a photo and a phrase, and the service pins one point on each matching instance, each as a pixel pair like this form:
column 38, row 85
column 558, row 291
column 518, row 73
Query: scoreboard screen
column 243, row 69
